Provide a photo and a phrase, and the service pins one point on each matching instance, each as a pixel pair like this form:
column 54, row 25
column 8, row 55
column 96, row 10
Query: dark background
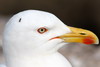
column 78, row 13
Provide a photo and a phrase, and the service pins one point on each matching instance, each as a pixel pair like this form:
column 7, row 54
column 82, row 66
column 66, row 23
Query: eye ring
column 42, row 30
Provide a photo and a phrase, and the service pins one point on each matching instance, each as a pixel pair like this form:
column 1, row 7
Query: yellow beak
column 80, row 36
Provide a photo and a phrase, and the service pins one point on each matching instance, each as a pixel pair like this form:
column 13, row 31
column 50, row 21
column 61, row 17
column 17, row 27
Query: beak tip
column 97, row 42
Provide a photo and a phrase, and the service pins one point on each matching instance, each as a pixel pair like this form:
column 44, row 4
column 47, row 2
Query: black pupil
column 82, row 33
column 42, row 30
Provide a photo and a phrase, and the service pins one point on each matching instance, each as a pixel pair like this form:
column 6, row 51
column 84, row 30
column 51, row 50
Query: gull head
column 34, row 30
column 41, row 32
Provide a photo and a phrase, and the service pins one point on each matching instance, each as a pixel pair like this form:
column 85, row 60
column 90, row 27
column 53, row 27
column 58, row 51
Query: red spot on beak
column 88, row 40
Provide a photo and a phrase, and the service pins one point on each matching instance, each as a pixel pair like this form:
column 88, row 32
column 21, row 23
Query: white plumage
column 24, row 46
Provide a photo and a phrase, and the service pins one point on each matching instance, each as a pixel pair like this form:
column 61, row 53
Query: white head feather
column 21, row 37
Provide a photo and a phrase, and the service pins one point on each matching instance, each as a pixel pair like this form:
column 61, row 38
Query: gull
column 32, row 38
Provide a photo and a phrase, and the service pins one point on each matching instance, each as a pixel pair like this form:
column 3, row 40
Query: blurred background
column 78, row 13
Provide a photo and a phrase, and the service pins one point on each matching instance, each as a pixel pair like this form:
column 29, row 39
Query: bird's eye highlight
column 42, row 30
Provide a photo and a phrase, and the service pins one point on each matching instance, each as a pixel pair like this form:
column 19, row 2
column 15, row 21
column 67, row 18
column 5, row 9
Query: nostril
column 83, row 33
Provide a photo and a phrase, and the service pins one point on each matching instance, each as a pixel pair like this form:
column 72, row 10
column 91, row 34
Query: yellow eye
column 42, row 30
